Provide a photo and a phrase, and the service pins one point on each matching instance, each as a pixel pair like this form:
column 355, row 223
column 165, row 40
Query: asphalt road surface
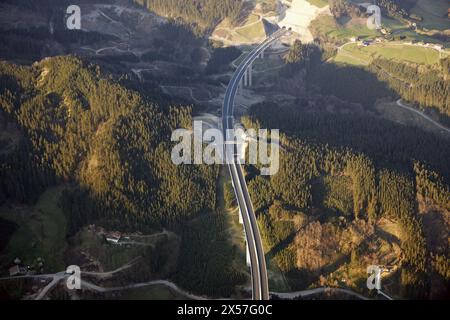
column 260, row 287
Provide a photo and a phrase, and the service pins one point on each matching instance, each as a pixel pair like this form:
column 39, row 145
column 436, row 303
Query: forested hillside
column 427, row 86
column 67, row 122
column 341, row 178
column 395, row 8
column 201, row 14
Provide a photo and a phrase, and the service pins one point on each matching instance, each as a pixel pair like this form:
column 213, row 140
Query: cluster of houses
column 18, row 269
column 368, row 42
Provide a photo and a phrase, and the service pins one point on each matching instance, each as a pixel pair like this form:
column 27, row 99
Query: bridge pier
column 246, row 78
column 261, row 55
column 250, row 75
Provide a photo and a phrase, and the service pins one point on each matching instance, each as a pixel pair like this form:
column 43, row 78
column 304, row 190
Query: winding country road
column 86, row 285
column 437, row 124
column 310, row 292
column 166, row 283
column 57, row 277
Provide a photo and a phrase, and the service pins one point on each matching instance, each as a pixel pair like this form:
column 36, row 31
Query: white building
column 113, row 237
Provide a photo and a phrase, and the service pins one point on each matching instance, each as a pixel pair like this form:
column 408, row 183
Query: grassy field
column 358, row 55
column 112, row 256
column 41, row 232
column 354, row 58
column 255, row 30
column 326, row 25
column 433, row 13
column 318, row 3
column 247, row 30
column 346, row 28
column 252, row 18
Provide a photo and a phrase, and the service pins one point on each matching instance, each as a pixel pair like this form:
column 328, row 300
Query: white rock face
column 299, row 16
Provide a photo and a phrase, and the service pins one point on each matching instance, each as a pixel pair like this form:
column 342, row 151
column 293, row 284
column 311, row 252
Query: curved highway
column 260, row 287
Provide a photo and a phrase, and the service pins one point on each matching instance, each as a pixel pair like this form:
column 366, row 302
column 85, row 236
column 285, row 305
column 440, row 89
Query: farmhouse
column 113, row 237
column 17, row 271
